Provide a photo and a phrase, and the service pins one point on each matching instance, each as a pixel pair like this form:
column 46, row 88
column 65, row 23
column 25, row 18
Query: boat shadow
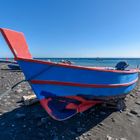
column 33, row 123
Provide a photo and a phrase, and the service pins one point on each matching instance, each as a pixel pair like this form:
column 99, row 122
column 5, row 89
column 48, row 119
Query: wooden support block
column 30, row 99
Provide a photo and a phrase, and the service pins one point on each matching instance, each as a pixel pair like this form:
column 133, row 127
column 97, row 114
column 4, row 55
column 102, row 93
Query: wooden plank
column 30, row 99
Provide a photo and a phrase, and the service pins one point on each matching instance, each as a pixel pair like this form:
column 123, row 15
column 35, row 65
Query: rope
column 32, row 77
column 6, row 92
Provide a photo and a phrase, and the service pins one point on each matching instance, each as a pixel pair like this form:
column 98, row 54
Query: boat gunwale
column 78, row 67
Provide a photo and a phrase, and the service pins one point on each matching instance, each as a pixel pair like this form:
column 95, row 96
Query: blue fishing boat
column 65, row 89
column 13, row 67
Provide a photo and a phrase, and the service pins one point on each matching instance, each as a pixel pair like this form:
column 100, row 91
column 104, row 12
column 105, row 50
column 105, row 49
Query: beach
column 18, row 121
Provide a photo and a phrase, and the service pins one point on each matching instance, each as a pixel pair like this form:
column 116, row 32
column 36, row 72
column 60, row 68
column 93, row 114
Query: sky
column 74, row 28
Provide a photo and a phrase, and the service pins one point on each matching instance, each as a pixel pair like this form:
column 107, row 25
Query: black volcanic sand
column 20, row 122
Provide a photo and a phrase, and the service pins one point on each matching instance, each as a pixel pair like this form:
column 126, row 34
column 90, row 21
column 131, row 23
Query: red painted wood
column 83, row 106
column 82, row 85
column 19, row 48
column 16, row 43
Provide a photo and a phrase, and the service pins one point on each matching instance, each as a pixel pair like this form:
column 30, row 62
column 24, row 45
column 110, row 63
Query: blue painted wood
column 37, row 71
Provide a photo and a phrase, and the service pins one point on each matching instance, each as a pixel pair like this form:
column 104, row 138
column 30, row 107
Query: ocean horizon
column 96, row 61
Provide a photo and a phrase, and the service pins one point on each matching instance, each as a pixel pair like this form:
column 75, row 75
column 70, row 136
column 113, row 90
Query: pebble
column 132, row 95
column 8, row 97
column 49, row 123
column 83, row 125
column 72, row 133
column 5, row 100
column 55, row 138
column 44, row 120
column 113, row 120
column 13, row 125
column 78, row 123
column 138, row 102
column 133, row 123
column 2, row 124
column 88, row 134
column 123, row 139
column 102, row 113
column 24, row 126
column 39, row 124
column 81, row 137
column 7, row 87
column 131, row 120
column 101, row 124
column 109, row 137
column 20, row 115
column 3, row 77
column 37, row 116
column 134, row 111
column 41, row 134
column 81, row 114
column 29, row 92
column 84, row 134
column 96, row 116
column 129, row 114
column 120, row 111
column 92, row 110
column 63, row 137
column 19, row 90
column 79, row 130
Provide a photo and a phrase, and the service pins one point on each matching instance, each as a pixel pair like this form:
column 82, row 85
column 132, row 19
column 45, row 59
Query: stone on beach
column 102, row 113
column 19, row 91
column 55, row 138
column 30, row 99
column 137, row 102
column 20, row 115
column 129, row 114
column 133, row 95
column 134, row 111
column 113, row 120
column 79, row 130
column 122, row 139
column 109, row 137
column 2, row 124
column 44, row 120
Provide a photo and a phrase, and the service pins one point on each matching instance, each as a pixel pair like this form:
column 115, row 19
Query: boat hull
column 59, row 80
column 65, row 89
column 14, row 66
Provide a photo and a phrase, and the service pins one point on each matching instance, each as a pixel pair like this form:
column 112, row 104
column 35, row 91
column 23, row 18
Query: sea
column 97, row 62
